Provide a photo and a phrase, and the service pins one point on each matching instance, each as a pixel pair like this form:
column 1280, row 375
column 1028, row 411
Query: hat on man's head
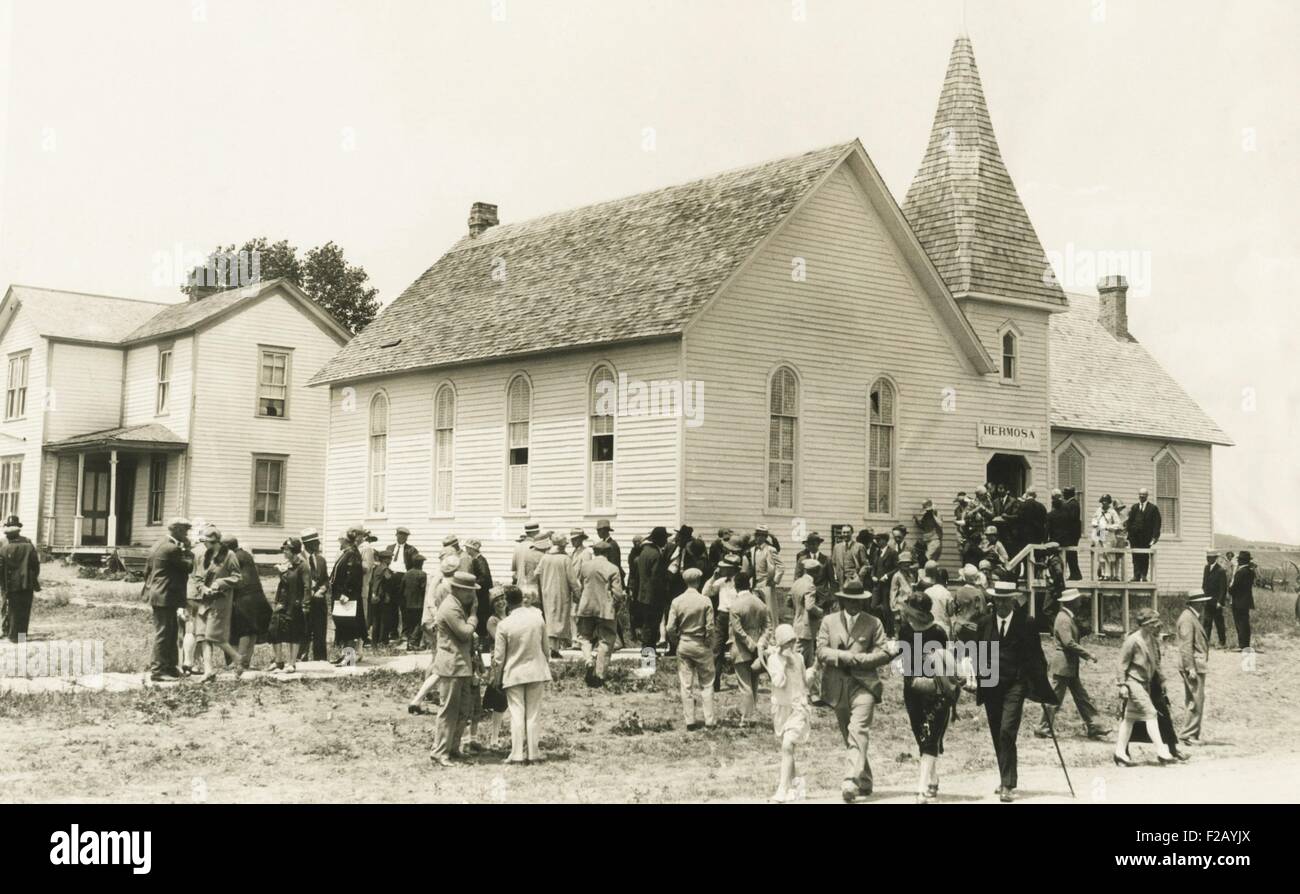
column 728, row 562
column 902, row 528
column 814, row 537
column 1243, row 557
column 1003, row 589
column 385, row 554
column 1211, row 554
column 417, row 560
column 450, row 540
column 13, row 523
column 532, row 528
column 232, row 542
column 1198, row 596
column 1147, row 617
column 906, row 562
column 474, row 543
column 558, row 539
column 402, row 529
column 991, row 529
column 464, row 581
column 603, row 525
column 1069, row 595
column 601, row 546
column 917, row 612
column 852, row 589
column 1056, row 492
column 761, row 529
column 577, row 534
column 308, row 534
column 448, row 565
column 179, row 521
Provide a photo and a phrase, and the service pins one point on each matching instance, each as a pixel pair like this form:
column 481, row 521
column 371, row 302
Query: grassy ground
column 350, row 739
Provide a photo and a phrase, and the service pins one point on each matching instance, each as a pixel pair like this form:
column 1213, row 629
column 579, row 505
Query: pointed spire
column 964, row 206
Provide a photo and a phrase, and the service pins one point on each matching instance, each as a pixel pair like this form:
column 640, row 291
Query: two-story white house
column 120, row 413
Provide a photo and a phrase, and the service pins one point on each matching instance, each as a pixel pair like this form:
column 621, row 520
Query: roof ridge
column 496, row 233
column 18, row 285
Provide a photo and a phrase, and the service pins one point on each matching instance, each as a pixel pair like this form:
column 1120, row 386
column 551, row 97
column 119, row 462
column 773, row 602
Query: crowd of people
column 720, row 607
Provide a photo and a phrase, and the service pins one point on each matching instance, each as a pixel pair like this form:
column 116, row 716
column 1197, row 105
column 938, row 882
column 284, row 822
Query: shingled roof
column 82, row 317
column 626, row 270
column 1092, row 380
column 965, row 208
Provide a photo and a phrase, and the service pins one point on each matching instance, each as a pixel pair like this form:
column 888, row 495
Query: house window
column 16, row 395
column 1010, row 357
column 273, row 382
column 1168, row 493
column 783, row 404
column 268, row 490
column 157, row 489
column 880, row 448
column 444, row 439
column 11, row 480
column 519, row 411
column 1071, row 469
column 164, row 380
column 604, row 398
column 378, row 453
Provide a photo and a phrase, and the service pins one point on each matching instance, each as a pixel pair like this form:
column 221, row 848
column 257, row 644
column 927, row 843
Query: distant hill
column 1234, row 543
column 1276, row 561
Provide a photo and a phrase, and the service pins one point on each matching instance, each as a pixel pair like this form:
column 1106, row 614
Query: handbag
column 344, row 610
column 494, row 698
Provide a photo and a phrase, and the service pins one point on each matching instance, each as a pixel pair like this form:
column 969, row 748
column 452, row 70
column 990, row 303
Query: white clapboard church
column 786, row 344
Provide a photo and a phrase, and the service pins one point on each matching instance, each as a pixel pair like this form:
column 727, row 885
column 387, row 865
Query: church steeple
column 965, row 208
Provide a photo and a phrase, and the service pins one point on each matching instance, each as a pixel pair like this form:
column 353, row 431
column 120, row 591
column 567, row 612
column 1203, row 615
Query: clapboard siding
column 85, row 388
column 645, row 451
column 24, row 435
column 1120, row 464
column 140, row 391
column 225, row 432
column 859, row 314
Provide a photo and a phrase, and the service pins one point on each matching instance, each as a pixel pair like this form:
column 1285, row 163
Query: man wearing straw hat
column 1193, row 663
column 1018, row 673
column 850, row 647
column 453, row 663
column 1064, row 670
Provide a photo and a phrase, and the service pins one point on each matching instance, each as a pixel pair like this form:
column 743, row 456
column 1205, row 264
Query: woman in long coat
column 347, row 586
column 1139, row 668
column 930, row 687
column 252, row 613
column 559, row 587
column 216, row 578
column 292, row 595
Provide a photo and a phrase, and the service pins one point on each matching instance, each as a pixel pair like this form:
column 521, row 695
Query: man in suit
column 166, row 576
column 883, row 572
column 456, row 625
column 1214, row 584
column 402, row 551
column 521, row 668
column 317, row 620
column 768, row 570
column 1032, row 517
column 1017, row 672
column 1143, row 526
column 1193, row 663
column 602, row 590
column 850, row 646
column 1241, row 596
column 1064, row 670
column 20, row 570
column 1064, row 526
column 750, row 627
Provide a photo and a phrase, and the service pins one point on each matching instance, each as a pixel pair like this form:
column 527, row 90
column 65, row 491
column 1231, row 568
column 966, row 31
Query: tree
column 323, row 273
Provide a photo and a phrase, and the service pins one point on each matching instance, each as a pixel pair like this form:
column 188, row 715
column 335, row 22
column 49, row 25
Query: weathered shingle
column 79, row 316
column 149, row 434
column 186, row 315
column 630, row 269
column 1104, row 384
column 963, row 205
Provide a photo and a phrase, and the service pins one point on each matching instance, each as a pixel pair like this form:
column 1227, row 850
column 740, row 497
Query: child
column 790, row 712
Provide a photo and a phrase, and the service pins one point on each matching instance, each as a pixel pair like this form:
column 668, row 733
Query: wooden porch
column 1109, row 597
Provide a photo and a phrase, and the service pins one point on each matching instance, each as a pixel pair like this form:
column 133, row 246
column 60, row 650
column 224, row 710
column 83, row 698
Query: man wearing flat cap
column 166, row 579
column 850, row 647
column 20, row 571
column 1017, row 673
column 1193, row 664
column 1214, row 584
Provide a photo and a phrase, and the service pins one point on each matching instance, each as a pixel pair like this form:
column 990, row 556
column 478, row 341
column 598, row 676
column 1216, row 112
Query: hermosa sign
column 1009, row 437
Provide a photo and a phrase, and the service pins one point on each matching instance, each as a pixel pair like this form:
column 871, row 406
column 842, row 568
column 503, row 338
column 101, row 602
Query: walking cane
column 1051, row 726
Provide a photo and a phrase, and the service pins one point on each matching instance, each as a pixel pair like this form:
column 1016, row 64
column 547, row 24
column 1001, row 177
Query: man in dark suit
column 317, row 619
column 20, row 570
column 1143, row 526
column 1241, row 595
column 1064, row 526
column 883, row 572
column 1017, row 672
column 1033, row 520
column 1214, row 583
column 166, row 575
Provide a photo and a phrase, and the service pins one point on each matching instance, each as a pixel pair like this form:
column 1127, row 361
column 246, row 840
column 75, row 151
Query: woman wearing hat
column 930, row 687
column 347, row 586
column 1105, row 533
column 292, row 595
column 216, row 577
column 1139, row 667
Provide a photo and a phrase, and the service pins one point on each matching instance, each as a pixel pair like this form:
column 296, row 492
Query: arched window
column 444, row 447
column 1071, row 471
column 781, row 438
column 1169, row 488
column 880, row 448
column 604, row 401
column 378, row 453
column 1010, row 356
column 519, row 411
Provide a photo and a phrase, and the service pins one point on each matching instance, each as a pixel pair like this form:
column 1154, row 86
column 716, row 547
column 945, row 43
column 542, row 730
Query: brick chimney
column 481, row 216
column 1113, row 310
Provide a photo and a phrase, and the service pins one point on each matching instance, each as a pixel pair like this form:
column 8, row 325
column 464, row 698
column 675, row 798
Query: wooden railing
column 1104, row 593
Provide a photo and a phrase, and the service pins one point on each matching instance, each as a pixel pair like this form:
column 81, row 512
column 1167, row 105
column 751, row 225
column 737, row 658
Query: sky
column 136, row 135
